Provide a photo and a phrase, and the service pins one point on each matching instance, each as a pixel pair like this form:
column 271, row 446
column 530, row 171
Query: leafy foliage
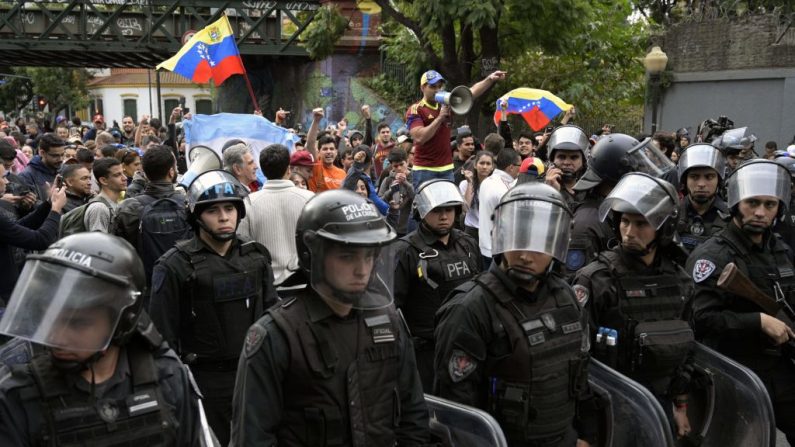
column 322, row 34
column 666, row 12
column 61, row 86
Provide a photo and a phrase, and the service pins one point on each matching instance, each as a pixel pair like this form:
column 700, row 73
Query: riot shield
column 730, row 405
column 629, row 414
column 458, row 425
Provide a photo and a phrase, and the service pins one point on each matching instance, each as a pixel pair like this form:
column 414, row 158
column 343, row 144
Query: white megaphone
column 459, row 99
column 201, row 159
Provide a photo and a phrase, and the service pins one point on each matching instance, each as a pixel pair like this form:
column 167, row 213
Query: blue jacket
column 36, row 174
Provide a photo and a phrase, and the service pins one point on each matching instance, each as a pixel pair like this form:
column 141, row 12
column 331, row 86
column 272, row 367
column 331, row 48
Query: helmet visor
column 642, row 195
column 63, row 308
column 569, row 138
column 215, row 186
column 647, row 157
column 759, row 179
column 435, row 195
column 531, row 225
column 737, row 139
column 360, row 276
column 701, row 156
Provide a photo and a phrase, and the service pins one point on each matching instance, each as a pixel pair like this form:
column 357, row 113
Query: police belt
column 206, row 364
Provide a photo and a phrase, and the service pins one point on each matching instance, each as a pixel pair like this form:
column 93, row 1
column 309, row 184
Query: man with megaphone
column 429, row 123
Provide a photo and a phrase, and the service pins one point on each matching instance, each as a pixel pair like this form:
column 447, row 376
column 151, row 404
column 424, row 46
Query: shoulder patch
column 575, row 259
column 158, row 278
column 254, row 338
column 582, row 294
column 702, row 269
column 461, row 365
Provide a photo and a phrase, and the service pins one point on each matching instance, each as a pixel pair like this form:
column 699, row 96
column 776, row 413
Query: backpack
column 75, row 220
column 163, row 223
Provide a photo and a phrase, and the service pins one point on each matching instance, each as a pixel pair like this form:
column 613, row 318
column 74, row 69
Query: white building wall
column 113, row 99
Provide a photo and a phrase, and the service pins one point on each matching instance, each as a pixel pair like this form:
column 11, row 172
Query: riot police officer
column 209, row 289
column 786, row 224
column 758, row 194
column 513, row 341
column 737, row 145
column 702, row 213
column 567, row 146
column 334, row 365
column 432, row 261
column 638, row 291
column 104, row 375
column 611, row 157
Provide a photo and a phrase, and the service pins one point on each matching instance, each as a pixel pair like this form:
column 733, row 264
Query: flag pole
column 251, row 93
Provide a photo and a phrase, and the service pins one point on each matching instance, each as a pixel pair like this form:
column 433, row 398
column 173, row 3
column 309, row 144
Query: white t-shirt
column 491, row 191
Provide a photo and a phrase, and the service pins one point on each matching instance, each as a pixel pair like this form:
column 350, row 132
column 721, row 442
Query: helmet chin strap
column 73, row 366
column 753, row 229
column 642, row 252
column 701, row 199
column 526, row 278
column 435, row 232
column 220, row 237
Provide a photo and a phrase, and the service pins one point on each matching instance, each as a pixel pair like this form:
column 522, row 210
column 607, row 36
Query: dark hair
column 494, row 143
column 156, row 124
column 326, row 140
column 381, row 125
column 19, row 137
column 667, row 142
column 126, row 156
column 397, row 155
column 528, row 135
column 274, row 161
column 7, row 151
column 157, row 161
column 85, row 155
column 368, row 157
column 472, row 162
column 102, row 167
column 69, row 170
column 507, row 157
column 347, row 150
column 76, row 121
column 108, row 151
column 50, row 140
column 772, row 145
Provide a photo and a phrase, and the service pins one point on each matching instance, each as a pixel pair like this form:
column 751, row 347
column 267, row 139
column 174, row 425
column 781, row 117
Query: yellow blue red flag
column 210, row 53
column 537, row 107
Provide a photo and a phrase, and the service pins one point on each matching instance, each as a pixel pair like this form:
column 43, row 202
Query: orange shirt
column 324, row 178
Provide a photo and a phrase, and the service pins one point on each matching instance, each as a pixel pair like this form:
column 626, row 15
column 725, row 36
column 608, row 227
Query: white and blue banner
column 214, row 131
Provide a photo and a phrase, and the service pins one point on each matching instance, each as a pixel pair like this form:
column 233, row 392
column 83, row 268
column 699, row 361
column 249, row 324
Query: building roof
column 137, row 77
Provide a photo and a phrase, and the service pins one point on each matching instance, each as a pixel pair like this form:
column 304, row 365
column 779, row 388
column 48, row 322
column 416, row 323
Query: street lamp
column 655, row 63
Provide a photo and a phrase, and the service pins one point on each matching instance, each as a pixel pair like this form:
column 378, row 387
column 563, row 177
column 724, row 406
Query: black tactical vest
column 225, row 298
column 329, row 403
column 537, row 364
column 143, row 418
column 653, row 339
column 786, row 226
column 694, row 229
column 772, row 272
column 439, row 273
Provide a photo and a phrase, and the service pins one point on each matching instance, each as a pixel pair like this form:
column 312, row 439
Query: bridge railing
column 159, row 26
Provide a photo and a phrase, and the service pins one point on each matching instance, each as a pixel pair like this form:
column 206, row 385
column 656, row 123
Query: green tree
column 667, row 12
column 61, row 87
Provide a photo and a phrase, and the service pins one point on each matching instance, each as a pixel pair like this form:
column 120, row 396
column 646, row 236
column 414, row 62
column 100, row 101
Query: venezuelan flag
column 210, row 53
column 537, row 107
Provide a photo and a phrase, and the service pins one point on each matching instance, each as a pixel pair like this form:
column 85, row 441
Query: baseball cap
column 301, row 158
column 431, row 77
column 99, row 118
column 532, row 165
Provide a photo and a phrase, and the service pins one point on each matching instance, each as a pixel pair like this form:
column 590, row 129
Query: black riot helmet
column 733, row 141
column 212, row 187
column 85, row 277
column 341, row 220
column 653, row 198
column 617, row 154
